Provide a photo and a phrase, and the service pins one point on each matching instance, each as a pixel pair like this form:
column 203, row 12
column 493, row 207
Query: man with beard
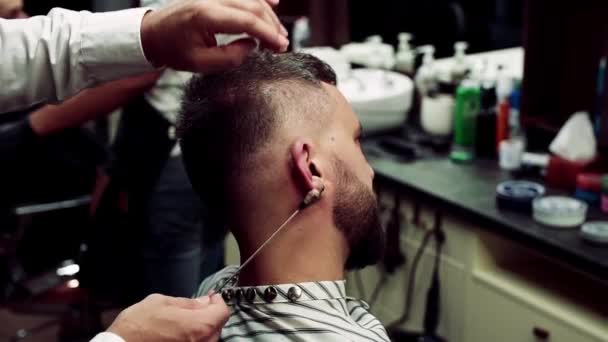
column 256, row 140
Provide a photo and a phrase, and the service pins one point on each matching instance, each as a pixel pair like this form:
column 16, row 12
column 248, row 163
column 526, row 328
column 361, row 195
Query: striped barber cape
column 312, row 311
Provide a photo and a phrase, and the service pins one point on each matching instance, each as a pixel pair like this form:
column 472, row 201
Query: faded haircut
column 229, row 116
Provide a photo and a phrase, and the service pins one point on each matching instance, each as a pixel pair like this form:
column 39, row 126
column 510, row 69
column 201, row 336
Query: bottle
column 513, row 148
column 515, row 129
column 405, row 58
column 379, row 54
column 374, row 39
column 460, row 67
column 510, row 154
column 486, row 123
column 426, row 77
column 503, row 90
column 301, row 33
column 468, row 98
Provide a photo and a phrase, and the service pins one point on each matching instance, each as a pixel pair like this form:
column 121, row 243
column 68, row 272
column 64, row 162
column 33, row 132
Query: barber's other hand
column 181, row 35
column 160, row 318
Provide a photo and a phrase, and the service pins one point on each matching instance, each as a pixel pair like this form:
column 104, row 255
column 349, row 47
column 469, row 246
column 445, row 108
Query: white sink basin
column 381, row 99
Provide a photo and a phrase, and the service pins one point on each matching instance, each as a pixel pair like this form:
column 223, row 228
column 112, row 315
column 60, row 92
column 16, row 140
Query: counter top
column 469, row 191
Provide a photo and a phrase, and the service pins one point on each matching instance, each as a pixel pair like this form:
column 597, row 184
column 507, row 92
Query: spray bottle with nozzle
column 460, row 67
column 405, row 57
column 426, row 77
column 301, row 33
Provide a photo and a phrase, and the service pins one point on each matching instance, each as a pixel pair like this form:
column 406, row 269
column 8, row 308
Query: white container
column 559, row 211
column 437, row 114
column 510, row 154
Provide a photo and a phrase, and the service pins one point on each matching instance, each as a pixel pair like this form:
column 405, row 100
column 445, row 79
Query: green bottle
column 468, row 104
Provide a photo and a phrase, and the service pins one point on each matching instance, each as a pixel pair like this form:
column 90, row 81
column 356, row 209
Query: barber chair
column 55, row 292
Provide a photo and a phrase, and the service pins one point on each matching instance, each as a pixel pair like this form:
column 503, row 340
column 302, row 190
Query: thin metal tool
column 238, row 271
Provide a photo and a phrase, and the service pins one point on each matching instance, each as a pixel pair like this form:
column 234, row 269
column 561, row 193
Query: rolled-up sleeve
column 49, row 58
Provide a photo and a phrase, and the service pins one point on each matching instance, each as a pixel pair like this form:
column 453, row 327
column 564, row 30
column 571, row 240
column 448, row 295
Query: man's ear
column 304, row 171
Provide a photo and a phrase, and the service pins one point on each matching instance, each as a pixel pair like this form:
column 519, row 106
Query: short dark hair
column 228, row 116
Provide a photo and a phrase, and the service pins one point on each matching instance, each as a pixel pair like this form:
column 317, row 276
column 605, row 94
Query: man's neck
column 308, row 249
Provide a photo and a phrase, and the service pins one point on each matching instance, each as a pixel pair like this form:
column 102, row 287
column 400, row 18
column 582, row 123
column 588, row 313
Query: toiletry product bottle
column 514, row 147
column 405, row 58
column 300, row 34
column 503, row 91
column 467, row 107
column 515, row 129
column 486, row 124
column 380, row 55
column 510, row 155
column 426, row 77
column 460, row 67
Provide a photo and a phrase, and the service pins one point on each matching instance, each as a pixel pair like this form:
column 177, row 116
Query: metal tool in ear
column 311, row 197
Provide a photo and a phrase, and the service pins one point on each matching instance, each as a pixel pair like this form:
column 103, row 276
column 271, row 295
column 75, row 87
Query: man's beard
column 355, row 213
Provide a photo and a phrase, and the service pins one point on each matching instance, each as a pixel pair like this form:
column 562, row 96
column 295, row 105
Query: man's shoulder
column 210, row 282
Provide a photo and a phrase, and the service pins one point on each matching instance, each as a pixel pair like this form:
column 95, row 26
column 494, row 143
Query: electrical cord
column 394, row 257
column 432, row 311
column 412, row 280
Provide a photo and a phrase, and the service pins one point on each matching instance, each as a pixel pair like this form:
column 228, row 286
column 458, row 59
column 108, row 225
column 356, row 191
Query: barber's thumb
column 216, row 298
column 218, row 58
column 217, row 312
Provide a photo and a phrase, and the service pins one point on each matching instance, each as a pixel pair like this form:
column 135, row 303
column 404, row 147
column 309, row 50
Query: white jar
column 437, row 113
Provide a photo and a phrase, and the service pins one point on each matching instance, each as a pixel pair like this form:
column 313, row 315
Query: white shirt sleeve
column 49, row 58
column 107, row 337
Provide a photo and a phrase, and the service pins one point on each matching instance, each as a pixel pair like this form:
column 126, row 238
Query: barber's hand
column 181, row 36
column 160, row 318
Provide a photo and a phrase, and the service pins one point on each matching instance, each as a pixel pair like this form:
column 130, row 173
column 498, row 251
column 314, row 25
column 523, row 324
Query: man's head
column 254, row 139
column 12, row 9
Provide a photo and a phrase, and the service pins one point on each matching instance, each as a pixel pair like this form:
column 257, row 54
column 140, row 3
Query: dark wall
column 43, row 7
column 564, row 42
column 484, row 24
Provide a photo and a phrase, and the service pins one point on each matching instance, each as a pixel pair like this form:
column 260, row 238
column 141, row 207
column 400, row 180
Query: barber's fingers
column 216, row 299
column 214, row 315
column 209, row 39
column 273, row 3
column 217, row 309
column 260, row 8
column 203, row 324
column 231, row 20
column 186, row 303
column 208, row 60
column 274, row 17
